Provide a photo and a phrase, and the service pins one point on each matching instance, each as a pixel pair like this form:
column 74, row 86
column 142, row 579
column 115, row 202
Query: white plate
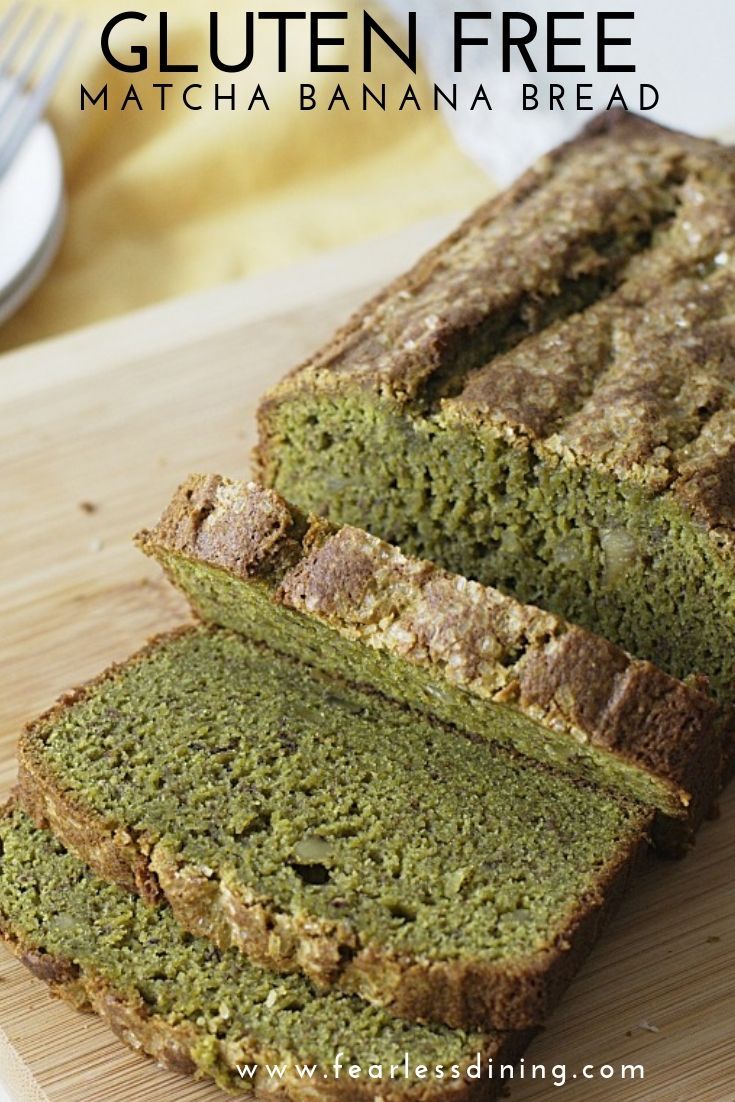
column 31, row 217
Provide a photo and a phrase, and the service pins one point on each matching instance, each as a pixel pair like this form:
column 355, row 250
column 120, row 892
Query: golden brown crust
column 474, row 637
column 587, row 310
column 517, row 996
column 249, row 533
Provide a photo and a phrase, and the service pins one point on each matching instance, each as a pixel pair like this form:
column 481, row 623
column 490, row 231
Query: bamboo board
column 114, row 417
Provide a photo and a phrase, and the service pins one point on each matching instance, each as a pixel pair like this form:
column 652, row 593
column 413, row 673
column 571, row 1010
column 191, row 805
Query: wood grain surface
column 96, row 430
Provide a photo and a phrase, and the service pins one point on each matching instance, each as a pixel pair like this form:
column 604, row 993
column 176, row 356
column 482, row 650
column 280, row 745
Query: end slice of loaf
column 210, row 1014
column 321, row 828
column 351, row 604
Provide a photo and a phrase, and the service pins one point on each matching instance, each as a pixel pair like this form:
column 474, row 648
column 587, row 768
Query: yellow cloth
column 161, row 203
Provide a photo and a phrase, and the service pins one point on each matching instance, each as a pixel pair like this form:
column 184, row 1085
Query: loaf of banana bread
column 546, row 401
column 323, row 828
column 346, row 602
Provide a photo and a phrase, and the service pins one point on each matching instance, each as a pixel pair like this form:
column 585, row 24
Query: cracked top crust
column 590, row 309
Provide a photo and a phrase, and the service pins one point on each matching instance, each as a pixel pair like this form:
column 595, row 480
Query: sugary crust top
column 471, row 635
column 590, row 309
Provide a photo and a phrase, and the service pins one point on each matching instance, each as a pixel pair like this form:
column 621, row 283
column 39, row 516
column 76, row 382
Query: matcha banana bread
column 212, row 1014
column 346, row 602
column 546, row 402
column 319, row 827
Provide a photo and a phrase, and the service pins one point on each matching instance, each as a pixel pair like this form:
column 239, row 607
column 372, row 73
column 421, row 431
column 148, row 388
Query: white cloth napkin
column 682, row 48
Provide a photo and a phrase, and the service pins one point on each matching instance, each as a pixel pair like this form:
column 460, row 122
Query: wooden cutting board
column 96, row 430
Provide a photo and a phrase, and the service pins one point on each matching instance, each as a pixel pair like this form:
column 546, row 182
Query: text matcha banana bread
column 546, row 402
column 212, row 1014
column 321, row 827
column 348, row 603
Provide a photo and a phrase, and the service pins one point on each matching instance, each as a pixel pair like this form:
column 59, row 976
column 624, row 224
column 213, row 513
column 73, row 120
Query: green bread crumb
column 333, row 801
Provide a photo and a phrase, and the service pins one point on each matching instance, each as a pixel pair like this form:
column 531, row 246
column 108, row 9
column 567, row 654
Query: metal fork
column 26, row 39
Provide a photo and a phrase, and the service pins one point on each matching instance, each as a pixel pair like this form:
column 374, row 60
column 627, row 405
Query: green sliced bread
column 347, row 603
column 212, row 1014
column 318, row 826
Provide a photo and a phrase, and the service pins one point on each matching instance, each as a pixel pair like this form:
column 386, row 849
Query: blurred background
column 163, row 203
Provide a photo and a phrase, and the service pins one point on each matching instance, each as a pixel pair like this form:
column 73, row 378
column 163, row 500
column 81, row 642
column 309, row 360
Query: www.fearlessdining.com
column 342, row 1068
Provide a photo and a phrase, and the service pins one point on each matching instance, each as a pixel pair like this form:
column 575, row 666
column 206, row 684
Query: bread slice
column 546, row 401
column 317, row 826
column 348, row 603
column 211, row 1014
